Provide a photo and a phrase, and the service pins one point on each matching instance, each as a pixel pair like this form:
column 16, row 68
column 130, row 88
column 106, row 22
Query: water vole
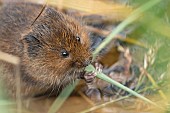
column 53, row 51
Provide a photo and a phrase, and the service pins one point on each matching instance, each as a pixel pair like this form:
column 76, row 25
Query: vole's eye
column 78, row 38
column 64, row 53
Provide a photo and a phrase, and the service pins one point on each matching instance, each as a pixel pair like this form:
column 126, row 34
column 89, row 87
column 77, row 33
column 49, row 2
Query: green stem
column 102, row 76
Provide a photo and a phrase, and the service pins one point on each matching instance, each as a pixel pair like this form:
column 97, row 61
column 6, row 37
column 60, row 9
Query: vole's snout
column 81, row 64
column 86, row 63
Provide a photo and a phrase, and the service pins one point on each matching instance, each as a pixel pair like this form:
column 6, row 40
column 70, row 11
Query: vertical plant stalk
column 18, row 88
column 16, row 61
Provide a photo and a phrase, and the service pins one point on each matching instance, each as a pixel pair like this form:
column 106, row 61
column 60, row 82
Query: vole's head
column 57, row 48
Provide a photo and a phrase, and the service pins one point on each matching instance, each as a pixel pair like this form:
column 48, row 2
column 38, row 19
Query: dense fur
column 40, row 47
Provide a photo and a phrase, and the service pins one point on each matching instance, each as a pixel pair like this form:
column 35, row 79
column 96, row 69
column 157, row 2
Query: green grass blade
column 135, row 15
column 106, row 78
column 62, row 97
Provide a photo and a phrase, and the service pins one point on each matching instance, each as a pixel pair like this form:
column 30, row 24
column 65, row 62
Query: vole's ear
column 30, row 39
column 32, row 45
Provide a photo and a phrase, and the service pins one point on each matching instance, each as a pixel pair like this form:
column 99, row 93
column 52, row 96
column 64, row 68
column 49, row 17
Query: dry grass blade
column 154, row 84
column 111, row 102
column 133, row 41
column 103, row 105
column 86, row 98
column 9, row 58
column 95, row 7
column 104, row 33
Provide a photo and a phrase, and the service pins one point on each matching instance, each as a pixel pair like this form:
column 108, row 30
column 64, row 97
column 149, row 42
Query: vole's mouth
column 75, row 72
column 79, row 70
column 79, row 73
column 71, row 75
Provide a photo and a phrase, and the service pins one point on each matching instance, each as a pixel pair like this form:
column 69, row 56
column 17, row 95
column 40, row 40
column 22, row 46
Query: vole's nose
column 82, row 63
column 86, row 63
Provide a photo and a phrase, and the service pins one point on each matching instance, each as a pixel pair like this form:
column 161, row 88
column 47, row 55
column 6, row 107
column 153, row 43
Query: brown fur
column 39, row 47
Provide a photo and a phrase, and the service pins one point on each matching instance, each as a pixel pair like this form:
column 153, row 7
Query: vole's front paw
column 90, row 76
column 92, row 91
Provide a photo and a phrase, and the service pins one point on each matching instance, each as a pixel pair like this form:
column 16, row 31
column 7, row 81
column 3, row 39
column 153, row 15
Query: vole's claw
column 93, row 92
column 98, row 67
column 90, row 76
